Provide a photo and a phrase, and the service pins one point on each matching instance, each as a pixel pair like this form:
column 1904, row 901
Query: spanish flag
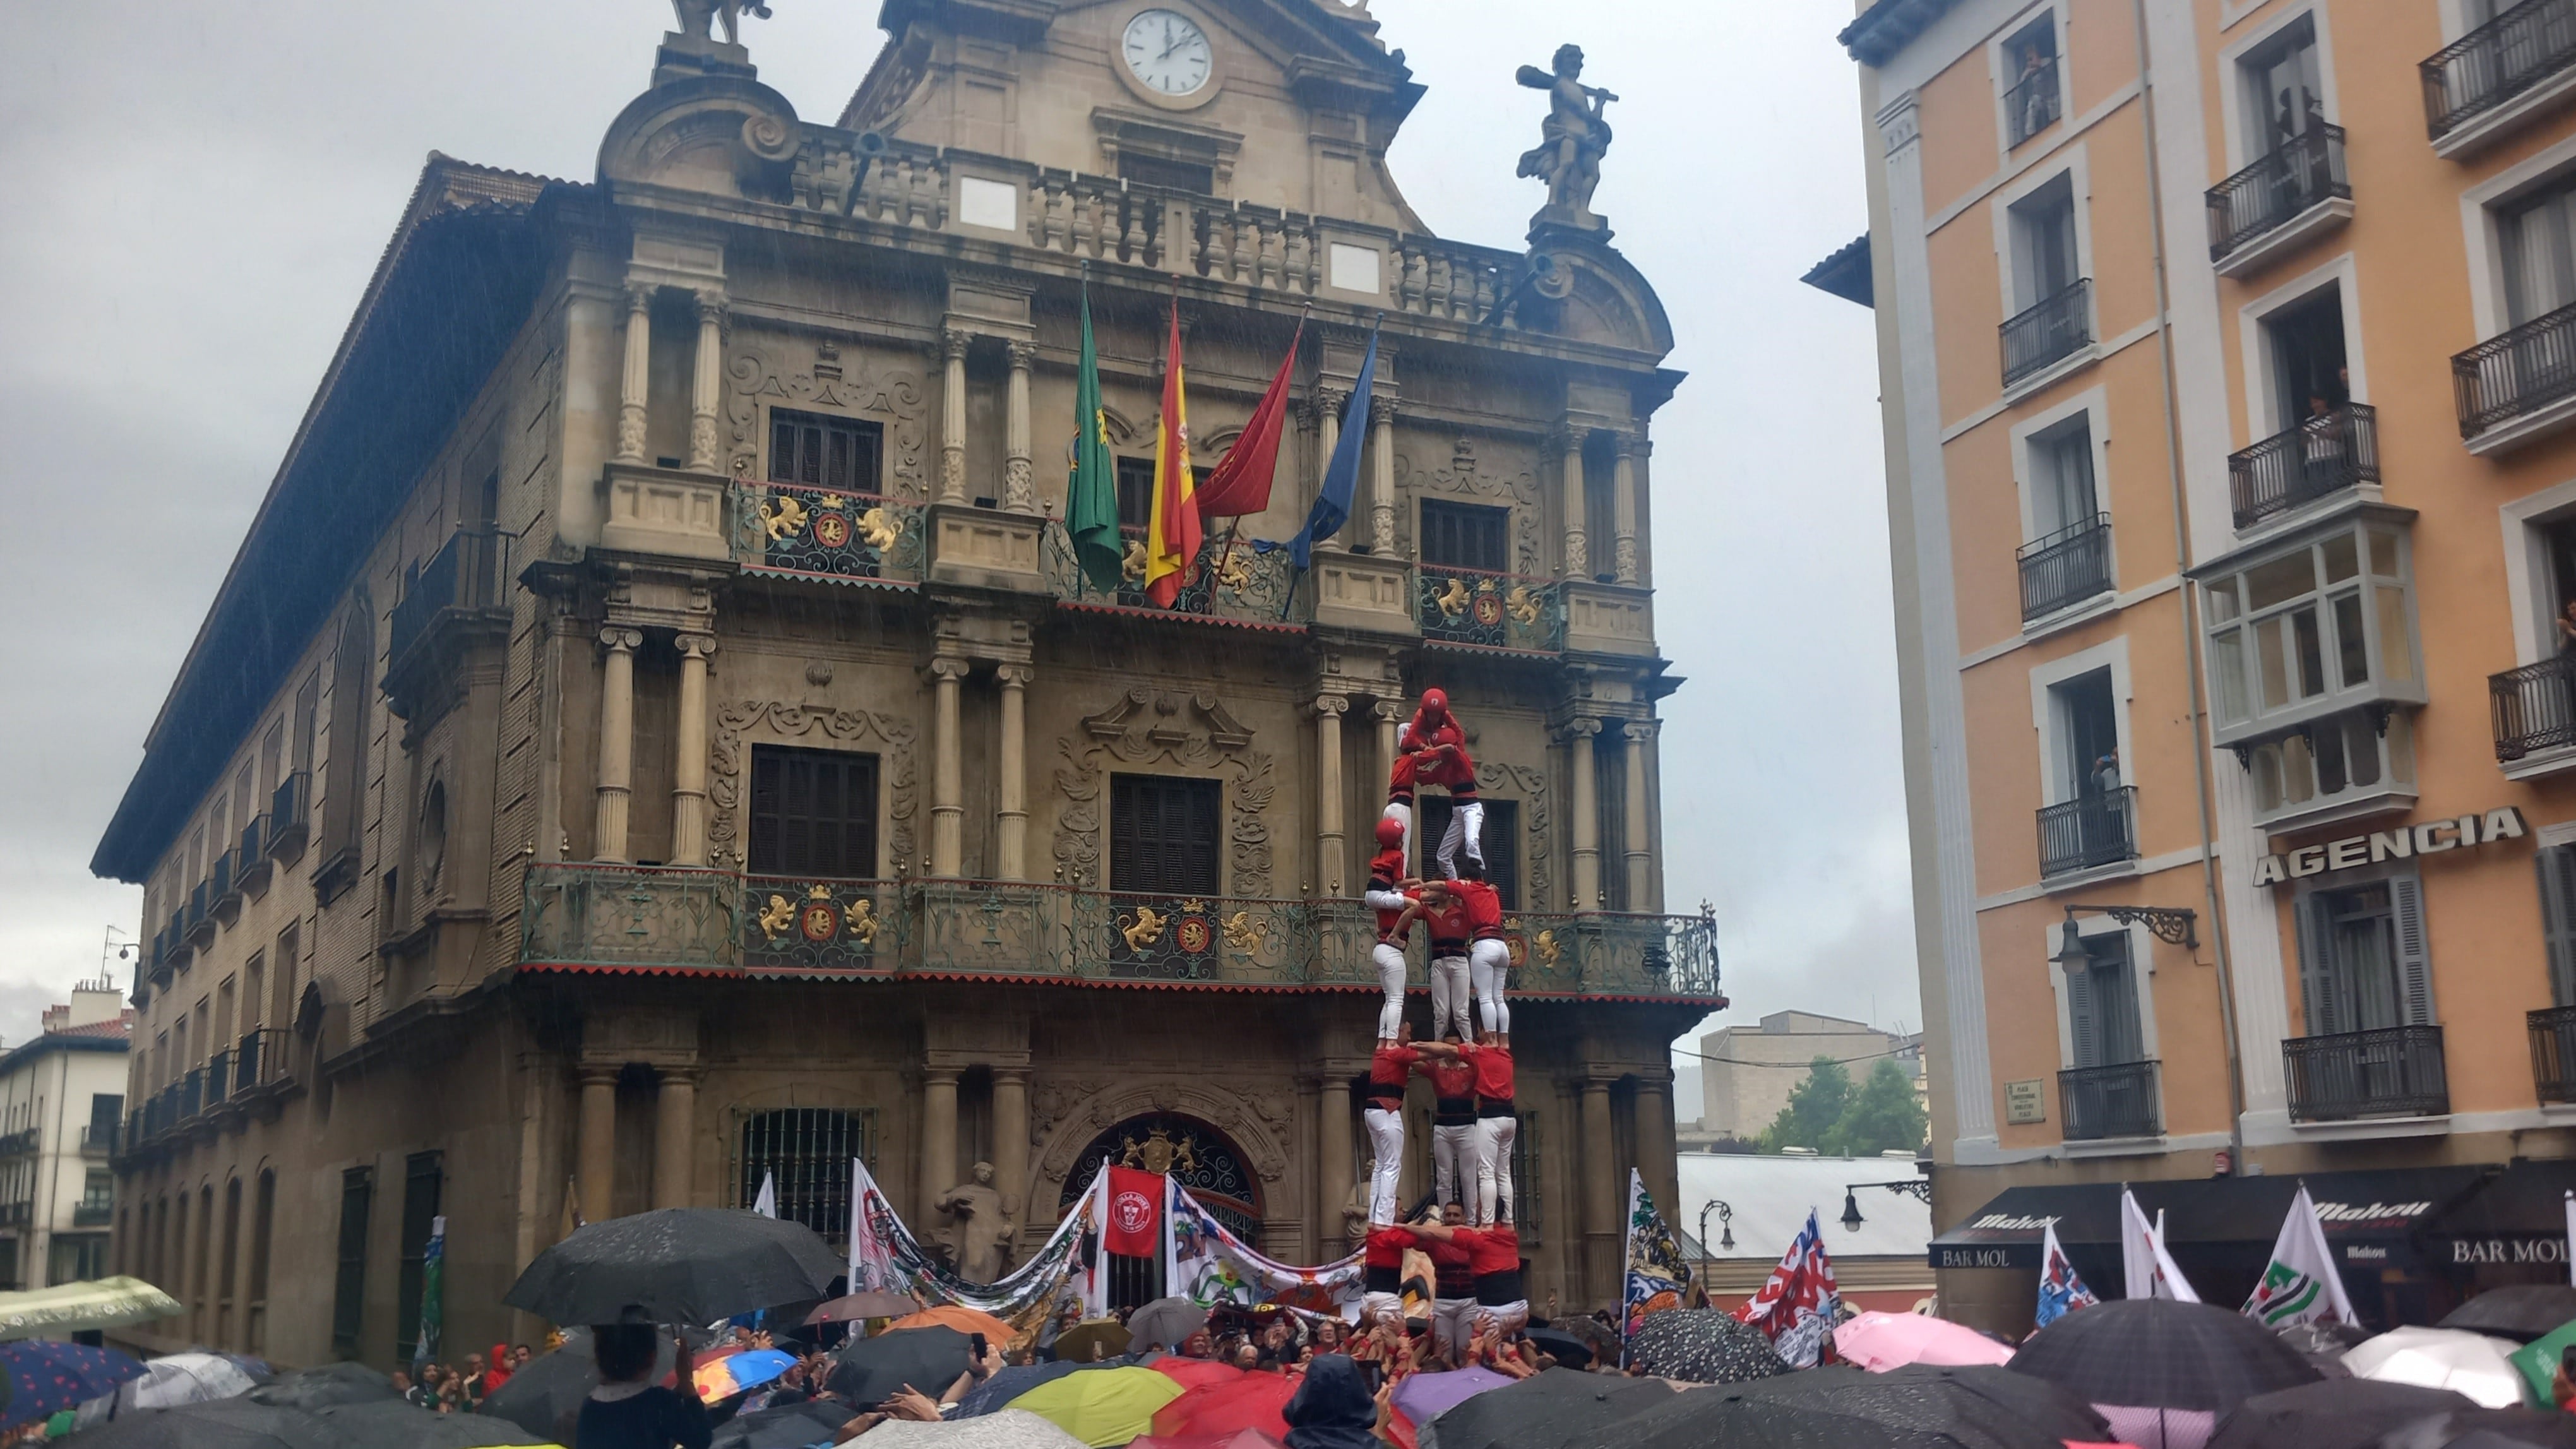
column 1172, row 534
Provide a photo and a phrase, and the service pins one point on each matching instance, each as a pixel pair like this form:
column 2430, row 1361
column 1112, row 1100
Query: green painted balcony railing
column 595, row 917
column 797, row 531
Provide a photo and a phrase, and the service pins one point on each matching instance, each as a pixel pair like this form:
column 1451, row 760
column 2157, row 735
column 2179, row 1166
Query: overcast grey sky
column 198, row 195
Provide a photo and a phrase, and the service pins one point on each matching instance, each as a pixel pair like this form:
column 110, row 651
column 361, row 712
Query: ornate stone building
column 653, row 735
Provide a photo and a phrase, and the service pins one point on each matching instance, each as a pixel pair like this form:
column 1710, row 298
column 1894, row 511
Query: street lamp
column 1913, row 1187
column 1725, row 1227
column 2173, row 925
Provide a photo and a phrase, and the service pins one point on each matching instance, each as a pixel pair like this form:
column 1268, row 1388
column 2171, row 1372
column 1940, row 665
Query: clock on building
column 1168, row 52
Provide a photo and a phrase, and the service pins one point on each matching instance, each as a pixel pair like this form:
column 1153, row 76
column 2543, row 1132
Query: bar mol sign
column 2430, row 837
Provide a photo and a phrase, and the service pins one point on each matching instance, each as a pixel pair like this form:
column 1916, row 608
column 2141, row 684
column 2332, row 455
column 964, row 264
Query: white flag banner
column 2301, row 1285
column 2144, row 1262
column 767, row 1203
column 2571, row 1238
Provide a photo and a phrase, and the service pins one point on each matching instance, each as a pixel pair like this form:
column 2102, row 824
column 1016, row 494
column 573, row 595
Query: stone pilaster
column 938, row 1140
column 1604, row 1235
column 1587, row 814
column 1011, row 809
column 1011, row 1137
column 675, row 1110
column 947, row 772
column 1332, row 856
column 1623, row 505
column 689, row 763
column 706, row 383
column 1639, row 844
column 635, row 379
column 952, row 415
column 595, row 1176
column 1018, row 496
column 1565, row 447
column 616, row 743
column 1382, row 475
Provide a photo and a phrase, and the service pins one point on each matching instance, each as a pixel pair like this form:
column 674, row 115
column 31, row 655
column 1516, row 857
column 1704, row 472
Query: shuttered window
column 2558, row 919
column 813, row 813
column 1502, row 836
column 2102, row 1005
column 2364, row 960
column 824, row 452
column 1466, row 536
column 349, row 1289
column 1165, row 835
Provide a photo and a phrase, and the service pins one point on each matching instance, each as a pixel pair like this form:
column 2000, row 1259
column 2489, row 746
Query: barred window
column 806, row 1152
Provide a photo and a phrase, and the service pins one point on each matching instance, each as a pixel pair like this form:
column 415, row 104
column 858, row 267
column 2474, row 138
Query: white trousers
column 1390, row 974
column 1494, row 1138
column 1386, row 1139
column 1467, row 827
column 1503, row 1318
column 1453, row 1324
column 1453, row 1161
column 1488, row 967
column 1449, row 1001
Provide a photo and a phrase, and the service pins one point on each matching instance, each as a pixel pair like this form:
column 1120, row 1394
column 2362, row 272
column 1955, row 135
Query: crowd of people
column 448, row 1389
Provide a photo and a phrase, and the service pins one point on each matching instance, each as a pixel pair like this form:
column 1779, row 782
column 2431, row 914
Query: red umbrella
column 1189, row 1373
column 1254, row 1401
column 1239, row 1439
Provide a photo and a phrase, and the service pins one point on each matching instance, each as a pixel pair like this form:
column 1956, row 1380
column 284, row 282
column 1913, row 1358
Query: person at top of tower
column 1396, row 898
column 1489, row 958
column 1431, row 749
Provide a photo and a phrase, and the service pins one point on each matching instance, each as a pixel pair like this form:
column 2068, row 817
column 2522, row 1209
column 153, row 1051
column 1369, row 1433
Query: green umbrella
column 2538, row 1360
column 1106, row 1407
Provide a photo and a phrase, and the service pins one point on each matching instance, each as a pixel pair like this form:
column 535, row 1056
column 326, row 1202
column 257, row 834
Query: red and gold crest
column 1489, row 609
column 1191, row 934
column 819, row 921
column 832, row 530
column 1519, row 946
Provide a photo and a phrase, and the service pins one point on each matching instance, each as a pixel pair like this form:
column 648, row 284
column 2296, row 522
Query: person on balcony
column 2038, row 99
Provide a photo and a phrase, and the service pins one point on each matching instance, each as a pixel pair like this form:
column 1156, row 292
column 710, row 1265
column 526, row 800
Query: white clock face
column 1168, row 52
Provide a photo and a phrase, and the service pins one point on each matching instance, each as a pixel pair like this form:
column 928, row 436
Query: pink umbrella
column 1882, row 1341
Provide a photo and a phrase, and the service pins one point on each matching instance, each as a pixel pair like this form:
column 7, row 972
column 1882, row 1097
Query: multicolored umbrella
column 1703, row 1346
column 1101, row 1409
column 46, row 1377
column 1222, row 1406
column 738, row 1373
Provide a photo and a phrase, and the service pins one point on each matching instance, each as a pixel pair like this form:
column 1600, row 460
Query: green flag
column 1091, row 493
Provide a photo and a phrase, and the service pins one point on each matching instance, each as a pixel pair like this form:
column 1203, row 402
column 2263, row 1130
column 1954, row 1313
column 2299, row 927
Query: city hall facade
column 654, row 735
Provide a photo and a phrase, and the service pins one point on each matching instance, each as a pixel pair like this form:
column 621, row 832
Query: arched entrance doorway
column 1191, row 1153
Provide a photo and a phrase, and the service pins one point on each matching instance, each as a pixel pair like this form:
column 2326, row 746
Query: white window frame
column 2271, row 415
column 2478, row 207
column 2005, row 71
column 2526, row 568
column 2093, row 404
column 2073, row 164
column 2142, row 976
column 2231, row 69
column 2054, row 767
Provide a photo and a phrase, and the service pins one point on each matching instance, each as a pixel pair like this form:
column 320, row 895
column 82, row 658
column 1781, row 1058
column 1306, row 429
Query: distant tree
column 1883, row 1116
column 1816, row 1106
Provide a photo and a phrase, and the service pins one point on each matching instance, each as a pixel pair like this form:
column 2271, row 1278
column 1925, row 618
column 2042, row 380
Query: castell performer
column 1396, row 912
column 1432, row 750
column 1390, row 1067
column 1497, row 1124
column 1453, row 1293
column 1445, row 911
column 1494, row 1258
column 1453, row 1125
column 1489, row 960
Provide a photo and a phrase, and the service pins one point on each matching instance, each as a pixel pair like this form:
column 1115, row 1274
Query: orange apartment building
column 2228, row 370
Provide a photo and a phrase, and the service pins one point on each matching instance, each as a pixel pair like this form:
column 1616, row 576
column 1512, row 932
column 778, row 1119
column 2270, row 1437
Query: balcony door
column 2363, row 962
column 2284, row 98
column 1165, row 835
column 1466, row 536
column 813, row 813
column 2088, row 725
column 2102, row 1004
column 2539, row 237
column 2309, row 375
column 2043, row 240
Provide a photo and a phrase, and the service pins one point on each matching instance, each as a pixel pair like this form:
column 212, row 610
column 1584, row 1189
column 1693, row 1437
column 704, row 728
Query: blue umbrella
column 46, row 1378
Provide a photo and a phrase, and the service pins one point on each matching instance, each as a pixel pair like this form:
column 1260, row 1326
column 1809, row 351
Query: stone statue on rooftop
column 1571, row 140
column 698, row 18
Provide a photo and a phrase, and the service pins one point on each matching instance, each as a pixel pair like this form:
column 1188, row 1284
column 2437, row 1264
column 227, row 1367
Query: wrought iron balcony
column 2033, row 104
column 470, row 573
column 260, row 1060
column 201, row 921
column 290, row 808
column 219, row 1078
column 2095, row 1103
column 792, row 531
column 2057, row 328
column 2325, row 454
column 17, row 1214
column 1488, row 610
column 91, row 1215
column 2066, row 567
column 2553, row 1052
column 1231, row 582
column 2307, row 171
column 97, row 1140
column 20, row 1143
column 2534, row 708
column 2485, row 70
column 585, row 917
column 2393, row 1071
column 192, row 1094
column 2516, row 374
column 2088, row 831
column 225, row 882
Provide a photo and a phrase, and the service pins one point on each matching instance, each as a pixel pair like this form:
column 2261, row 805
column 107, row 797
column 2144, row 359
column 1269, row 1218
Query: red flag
column 1135, row 1226
column 1172, row 534
column 1241, row 483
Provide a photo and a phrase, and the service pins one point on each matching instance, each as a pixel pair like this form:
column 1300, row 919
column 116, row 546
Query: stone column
column 1331, row 856
column 1641, row 860
column 595, row 1173
column 1017, row 495
column 1602, row 1231
column 675, row 1111
column 1328, row 436
column 1623, row 506
column 1011, row 1137
column 1565, row 446
column 947, row 774
column 706, row 385
column 952, row 418
column 1587, row 815
column 1011, row 814
column 938, row 1141
column 689, row 745
column 1655, row 1141
column 616, row 743
column 1382, row 475
column 1334, row 1165
column 637, row 378
column 1389, row 714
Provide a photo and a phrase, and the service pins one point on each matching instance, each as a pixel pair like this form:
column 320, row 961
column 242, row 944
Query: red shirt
column 1493, row 1068
column 1490, row 1250
column 1451, row 1081
column 1451, row 767
column 1450, row 926
column 1455, row 1275
column 1484, row 907
column 1385, row 869
column 1385, row 1247
column 1389, row 1067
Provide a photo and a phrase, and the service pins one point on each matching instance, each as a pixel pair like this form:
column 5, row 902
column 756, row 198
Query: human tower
column 1475, row 1253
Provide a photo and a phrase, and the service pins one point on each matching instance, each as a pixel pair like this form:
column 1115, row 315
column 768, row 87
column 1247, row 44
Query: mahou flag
column 1797, row 1307
column 1135, row 1226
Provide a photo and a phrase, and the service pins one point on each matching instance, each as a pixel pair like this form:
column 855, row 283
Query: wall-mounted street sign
column 2025, row 1101
column 2431, row 837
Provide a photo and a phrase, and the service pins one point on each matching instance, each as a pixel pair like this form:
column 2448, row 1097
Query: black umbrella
column 545, row 1397
column 2344, row 1413
column 1564, row 1347
column 396, row 1424
column 1704, row 1346
column 2521, row 1312
column 1920, row 1406
column 331, row 1383
column 678, row 1265
column 1165, row 1321
column 2485, row 1429
column 222, row 1424
column 2154, row 1353
column 1546, row 1410
column 2323, row 1345
column 868, row 1371
column 784, row 1426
